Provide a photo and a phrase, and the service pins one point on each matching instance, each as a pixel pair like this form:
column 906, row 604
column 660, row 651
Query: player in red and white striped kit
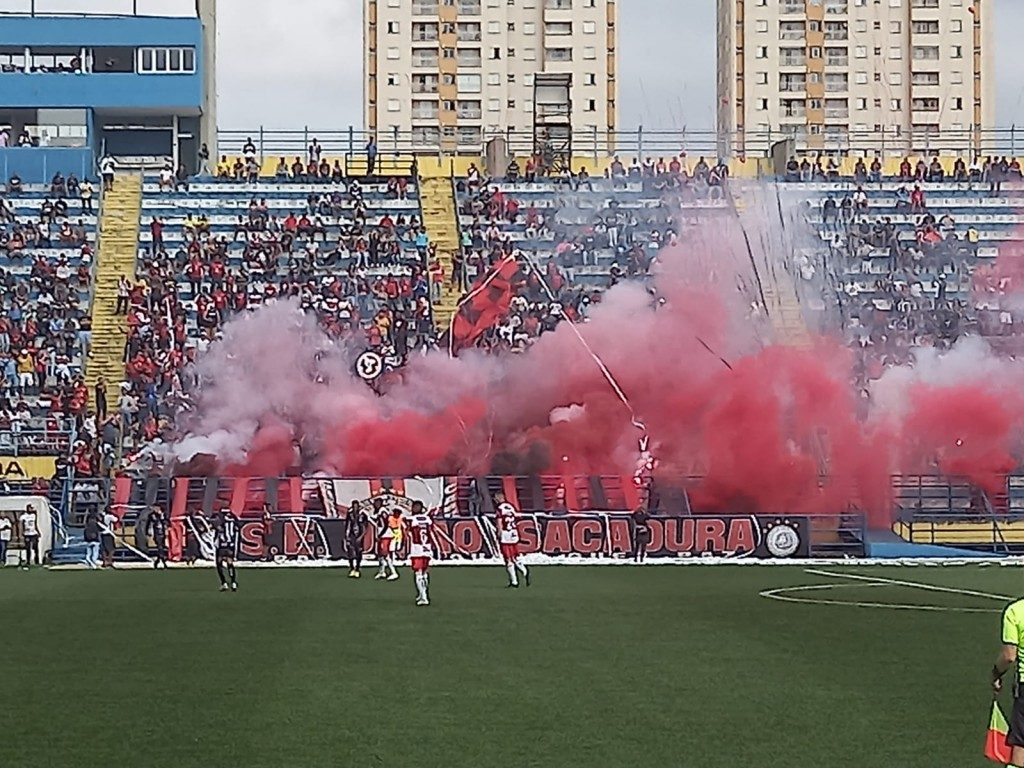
column 508, row 539
column 419, row 527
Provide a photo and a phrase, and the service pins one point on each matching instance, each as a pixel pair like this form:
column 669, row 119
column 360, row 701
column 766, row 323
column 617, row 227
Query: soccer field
column 589, row 667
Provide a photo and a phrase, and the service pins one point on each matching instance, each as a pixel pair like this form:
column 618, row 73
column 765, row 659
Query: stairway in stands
column 118, row 246
column 440, row 217
column 760, row 215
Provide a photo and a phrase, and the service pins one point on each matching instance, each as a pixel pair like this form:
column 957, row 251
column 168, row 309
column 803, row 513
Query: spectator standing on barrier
column 6, row 532
column 107, row 525
column 641, row 533
column 371, row 156
column 92, row 539
column 157, row 525
column 30, row 535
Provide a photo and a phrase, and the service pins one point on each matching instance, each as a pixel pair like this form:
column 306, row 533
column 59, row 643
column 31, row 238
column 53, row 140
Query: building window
column 165, row 61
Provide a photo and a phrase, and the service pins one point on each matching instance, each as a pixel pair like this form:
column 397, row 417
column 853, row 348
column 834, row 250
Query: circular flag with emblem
column 369, row 365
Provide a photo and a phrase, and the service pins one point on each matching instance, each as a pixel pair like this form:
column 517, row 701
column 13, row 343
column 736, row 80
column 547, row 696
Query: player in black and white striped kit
column 225, row 540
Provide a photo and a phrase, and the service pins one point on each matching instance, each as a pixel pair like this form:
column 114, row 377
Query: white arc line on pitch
column 776, row 594
column 911, row 584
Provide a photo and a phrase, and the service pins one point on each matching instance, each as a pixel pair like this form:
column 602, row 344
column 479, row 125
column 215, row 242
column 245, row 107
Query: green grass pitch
column 589, row 667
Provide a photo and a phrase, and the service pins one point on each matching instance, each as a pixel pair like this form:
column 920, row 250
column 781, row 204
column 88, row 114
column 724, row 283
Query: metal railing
column 600, row 144
column 35, row 442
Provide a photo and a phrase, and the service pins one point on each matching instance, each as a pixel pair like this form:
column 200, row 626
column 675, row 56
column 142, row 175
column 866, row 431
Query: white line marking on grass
column 784, row 594
column 780, row 594
column 911, row 584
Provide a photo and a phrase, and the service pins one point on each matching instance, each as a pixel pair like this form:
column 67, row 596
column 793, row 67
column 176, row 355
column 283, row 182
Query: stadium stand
column 47, row 242
column 907, row 252
column 354, row 253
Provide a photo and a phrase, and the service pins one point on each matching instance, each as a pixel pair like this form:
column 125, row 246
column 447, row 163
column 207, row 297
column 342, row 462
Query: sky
column 299, row 63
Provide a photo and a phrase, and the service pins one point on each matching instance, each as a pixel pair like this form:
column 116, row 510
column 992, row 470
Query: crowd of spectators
column 359, row 267
column 46, row 251
column 989, row 170
column 902, row 273
column 587, row 235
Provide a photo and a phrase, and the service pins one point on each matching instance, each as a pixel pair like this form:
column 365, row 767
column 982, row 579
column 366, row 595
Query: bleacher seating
column 45, row 274
column 351, row 252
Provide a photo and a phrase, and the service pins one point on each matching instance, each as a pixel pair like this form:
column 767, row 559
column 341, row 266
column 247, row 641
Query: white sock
column 421, row 585
column 391, row 566
column 512, row 578
column 521, row 567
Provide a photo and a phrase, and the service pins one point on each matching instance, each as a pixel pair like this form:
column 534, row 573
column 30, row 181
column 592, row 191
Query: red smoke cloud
column 771, row 429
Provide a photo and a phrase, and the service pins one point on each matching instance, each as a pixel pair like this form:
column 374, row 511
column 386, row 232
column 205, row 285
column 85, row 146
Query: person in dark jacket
column 355, row 530
column 158, row 530
column 92, row 539
column 641, row 533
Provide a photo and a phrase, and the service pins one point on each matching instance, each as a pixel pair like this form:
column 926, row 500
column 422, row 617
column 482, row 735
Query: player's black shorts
column 225, row 553
column 1015, row 738
column 354, row 547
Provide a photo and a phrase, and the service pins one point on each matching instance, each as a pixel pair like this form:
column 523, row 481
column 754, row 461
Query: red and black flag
column 486, row 304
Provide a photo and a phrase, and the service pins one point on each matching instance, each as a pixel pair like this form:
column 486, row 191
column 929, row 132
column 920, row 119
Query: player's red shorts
column 385, row 547
column 419, row 564
column 510, row 552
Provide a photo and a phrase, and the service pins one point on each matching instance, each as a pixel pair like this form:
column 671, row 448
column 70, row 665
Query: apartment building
column 857, row 74
column 452, row 73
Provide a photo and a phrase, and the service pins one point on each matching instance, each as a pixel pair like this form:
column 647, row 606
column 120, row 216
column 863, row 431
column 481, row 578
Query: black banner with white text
column 581, row 535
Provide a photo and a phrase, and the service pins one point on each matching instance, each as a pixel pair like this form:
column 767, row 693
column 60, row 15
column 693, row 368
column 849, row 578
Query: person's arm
column 1006, row 658
column 1008, row 653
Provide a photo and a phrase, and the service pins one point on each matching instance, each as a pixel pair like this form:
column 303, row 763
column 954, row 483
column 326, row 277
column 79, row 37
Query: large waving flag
column 486, row 305
column 996, row 748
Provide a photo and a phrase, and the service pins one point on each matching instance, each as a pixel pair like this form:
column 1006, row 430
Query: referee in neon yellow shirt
column 1009, row 656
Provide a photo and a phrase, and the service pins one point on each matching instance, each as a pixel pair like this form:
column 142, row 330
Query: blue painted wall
column 170, row 93
column 100, row 30
column 102, row 91
column 37, row 166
